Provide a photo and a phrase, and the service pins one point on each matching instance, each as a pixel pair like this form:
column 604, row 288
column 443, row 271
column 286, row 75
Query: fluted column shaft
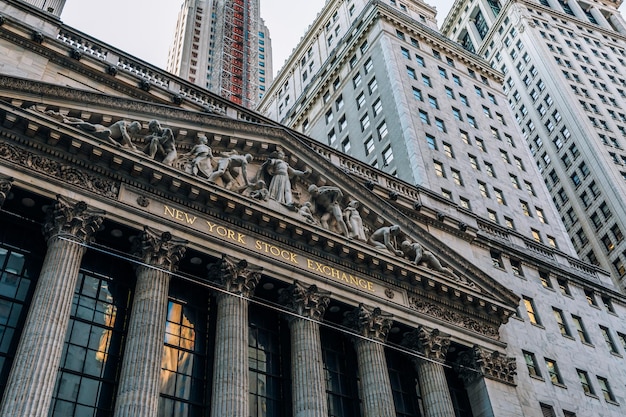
column 307, row 370
column 139, row 388
column 377, row 395
column 35, row 367
column 231, row 375
column 231, row 368
column 433, row 346
column 435, row 393
column 307, row 364
column 373, row 325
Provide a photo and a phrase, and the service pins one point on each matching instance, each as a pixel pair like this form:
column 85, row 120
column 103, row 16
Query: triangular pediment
column 326, row 201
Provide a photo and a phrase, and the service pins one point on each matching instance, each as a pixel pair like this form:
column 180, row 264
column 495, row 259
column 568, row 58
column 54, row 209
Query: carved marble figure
column 416, row 253
column 305, row 211
column 201, row 154
column 227, row 168
column 280, row 174
column 325, row 201
column 385, row 238
column 354, row 221
column 161, row 140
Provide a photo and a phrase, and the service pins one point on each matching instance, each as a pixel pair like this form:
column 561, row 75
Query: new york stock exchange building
column 166, row 253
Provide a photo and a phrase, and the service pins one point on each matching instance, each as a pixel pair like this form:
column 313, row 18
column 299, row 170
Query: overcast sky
column 145, row 28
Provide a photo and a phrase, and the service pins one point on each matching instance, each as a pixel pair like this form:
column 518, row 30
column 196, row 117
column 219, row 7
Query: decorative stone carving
column 5, row 187
column 370, row 322
column 453, row 317
column 161, row 142
column 354, row 221
column 277, row 172
column 143, row 201
column 325, row 202
column 310, row 302
column 74, row 220
column 479, row 362
column 236, row 276
column 432, row 344
column 416, row 253
column 199, row 157
column 385, row 238
column 159, row 249
column 229, row 167
column 66, row 173
column 306, row 212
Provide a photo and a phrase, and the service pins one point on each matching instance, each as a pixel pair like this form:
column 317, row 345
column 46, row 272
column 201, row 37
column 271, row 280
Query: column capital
column 5, row 187
column 479, row 362
column 370, row 322
column 310, row 302
column 77, row 220
column 159, row 249
column 430, row 343
column 237, row 276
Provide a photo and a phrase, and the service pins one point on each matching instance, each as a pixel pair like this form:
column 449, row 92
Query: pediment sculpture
column 273, row 181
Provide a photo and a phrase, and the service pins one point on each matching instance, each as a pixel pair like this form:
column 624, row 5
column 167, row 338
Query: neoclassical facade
column 160, row 256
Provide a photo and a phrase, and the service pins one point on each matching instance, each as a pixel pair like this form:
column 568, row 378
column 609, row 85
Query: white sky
column 145, row 28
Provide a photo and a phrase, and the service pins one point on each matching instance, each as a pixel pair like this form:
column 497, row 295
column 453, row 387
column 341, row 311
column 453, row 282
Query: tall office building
column 51, row 6
column 223, row 46
column 383, row 86
column 563, row 66
column 166, row 252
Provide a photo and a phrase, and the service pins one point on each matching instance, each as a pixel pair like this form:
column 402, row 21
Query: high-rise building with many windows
column 223, row 46
column 563, row 77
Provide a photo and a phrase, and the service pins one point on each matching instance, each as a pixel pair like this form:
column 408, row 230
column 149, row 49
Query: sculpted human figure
column 117, row 134
column 305, row 211
column 259, row 190
column 417, row 254
column 354, row 221
column 226, row 168
column 201, row 153
column 384, row 238
column 326, row 203
column 161, row 140
column 281, row 174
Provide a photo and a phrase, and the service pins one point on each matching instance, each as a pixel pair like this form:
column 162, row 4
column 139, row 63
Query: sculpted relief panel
column 267, row 177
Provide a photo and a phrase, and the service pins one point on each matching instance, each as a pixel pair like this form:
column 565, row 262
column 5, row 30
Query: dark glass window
column 184, row 362
column 404, row 384
column 268, row 381
column 91, row 358
column 341, row 375
column 16, row 287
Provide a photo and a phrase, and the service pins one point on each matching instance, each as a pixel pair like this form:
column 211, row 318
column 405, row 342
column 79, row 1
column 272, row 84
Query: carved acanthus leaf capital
column 75, row 220
column 159, row 249
column 430, row 343
column 310, row 302
column 5, row 187
column 237, row 276
column 370, row 322
column 479, row 362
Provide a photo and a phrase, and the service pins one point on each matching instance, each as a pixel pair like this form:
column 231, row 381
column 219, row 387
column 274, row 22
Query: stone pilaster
column 372, row 325
column 5, row 187
column 69, row 226
column 307, row 366
column 489, row 377
column 138, row 392
column 433, row 346
column 230, row 371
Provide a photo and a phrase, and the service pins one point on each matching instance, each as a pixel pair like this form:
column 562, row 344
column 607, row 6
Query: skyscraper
column 51, row 6
column 563, row 66
column 223, row 46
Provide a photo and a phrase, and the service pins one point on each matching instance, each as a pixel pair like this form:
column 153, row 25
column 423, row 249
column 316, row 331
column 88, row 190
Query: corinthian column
column 431, row 375
column 69, row 226
column 5, row 187
column 230, row 371
column 373, row 325
column 307, row 366
column 138, row 392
